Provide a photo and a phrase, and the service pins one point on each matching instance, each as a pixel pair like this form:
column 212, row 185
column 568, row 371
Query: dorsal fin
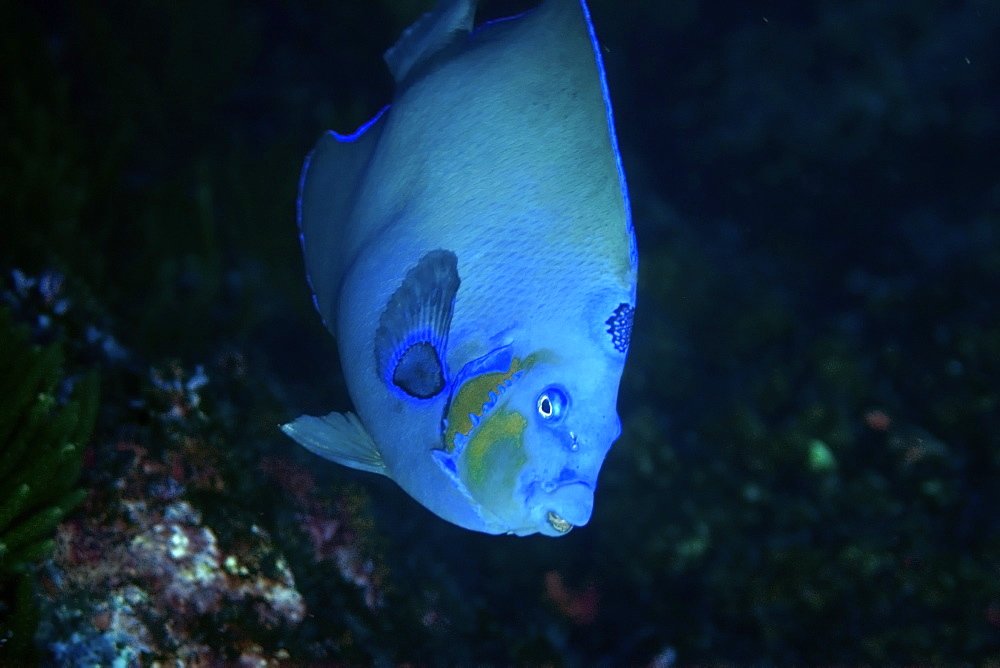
column 327, row 186
column 434, row 31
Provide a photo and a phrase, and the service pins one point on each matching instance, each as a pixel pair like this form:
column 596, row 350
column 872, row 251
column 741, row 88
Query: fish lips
column 568, row 505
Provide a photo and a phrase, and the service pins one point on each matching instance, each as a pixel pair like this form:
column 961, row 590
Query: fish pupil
column 545, row 407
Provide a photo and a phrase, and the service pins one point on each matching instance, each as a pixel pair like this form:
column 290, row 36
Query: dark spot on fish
column 419, row 371
column 620, row 327
column 411, row 341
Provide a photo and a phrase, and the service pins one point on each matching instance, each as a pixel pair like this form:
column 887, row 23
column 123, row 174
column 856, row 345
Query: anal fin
column 339, row 437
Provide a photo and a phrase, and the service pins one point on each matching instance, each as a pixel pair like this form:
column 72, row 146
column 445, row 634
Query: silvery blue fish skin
column 471, row 249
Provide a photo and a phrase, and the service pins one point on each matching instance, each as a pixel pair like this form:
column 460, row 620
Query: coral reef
column 167, row 557
column 153, row 582
column 141, row 574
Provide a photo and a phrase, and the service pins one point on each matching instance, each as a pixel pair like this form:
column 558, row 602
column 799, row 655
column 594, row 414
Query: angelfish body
column 472, row 251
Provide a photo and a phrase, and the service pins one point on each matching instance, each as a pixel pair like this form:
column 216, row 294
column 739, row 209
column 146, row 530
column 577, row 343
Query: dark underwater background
column 808, row 469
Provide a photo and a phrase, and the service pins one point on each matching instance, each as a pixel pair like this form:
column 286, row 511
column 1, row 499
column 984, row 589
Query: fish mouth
column 565, row 506
column 557, row 523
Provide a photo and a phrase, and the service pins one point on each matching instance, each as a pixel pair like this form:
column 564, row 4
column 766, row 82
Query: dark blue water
column 808, row 466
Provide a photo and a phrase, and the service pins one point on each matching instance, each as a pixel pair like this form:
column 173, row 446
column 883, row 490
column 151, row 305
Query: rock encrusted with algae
column 155, row 579
column 141, row 575
column 186, row 547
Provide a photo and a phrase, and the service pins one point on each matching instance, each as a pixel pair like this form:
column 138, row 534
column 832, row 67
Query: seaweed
column 45, row 421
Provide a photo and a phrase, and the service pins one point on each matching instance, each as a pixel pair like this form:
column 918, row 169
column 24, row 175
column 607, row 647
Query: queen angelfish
column 471, row 249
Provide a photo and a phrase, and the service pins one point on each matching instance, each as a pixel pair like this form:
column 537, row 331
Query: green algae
column 41, row 444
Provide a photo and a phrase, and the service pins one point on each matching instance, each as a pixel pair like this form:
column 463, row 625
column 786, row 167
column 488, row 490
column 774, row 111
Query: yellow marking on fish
column 473, row 397
column 495, row 454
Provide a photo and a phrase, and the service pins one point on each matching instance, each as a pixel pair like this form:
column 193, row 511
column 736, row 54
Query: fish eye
column 552, row 403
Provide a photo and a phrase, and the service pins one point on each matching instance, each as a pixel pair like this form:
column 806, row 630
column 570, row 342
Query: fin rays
column 412, row 336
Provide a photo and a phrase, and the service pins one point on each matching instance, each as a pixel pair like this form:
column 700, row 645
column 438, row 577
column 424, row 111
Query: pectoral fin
column 412, row 337
column 339, row 437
